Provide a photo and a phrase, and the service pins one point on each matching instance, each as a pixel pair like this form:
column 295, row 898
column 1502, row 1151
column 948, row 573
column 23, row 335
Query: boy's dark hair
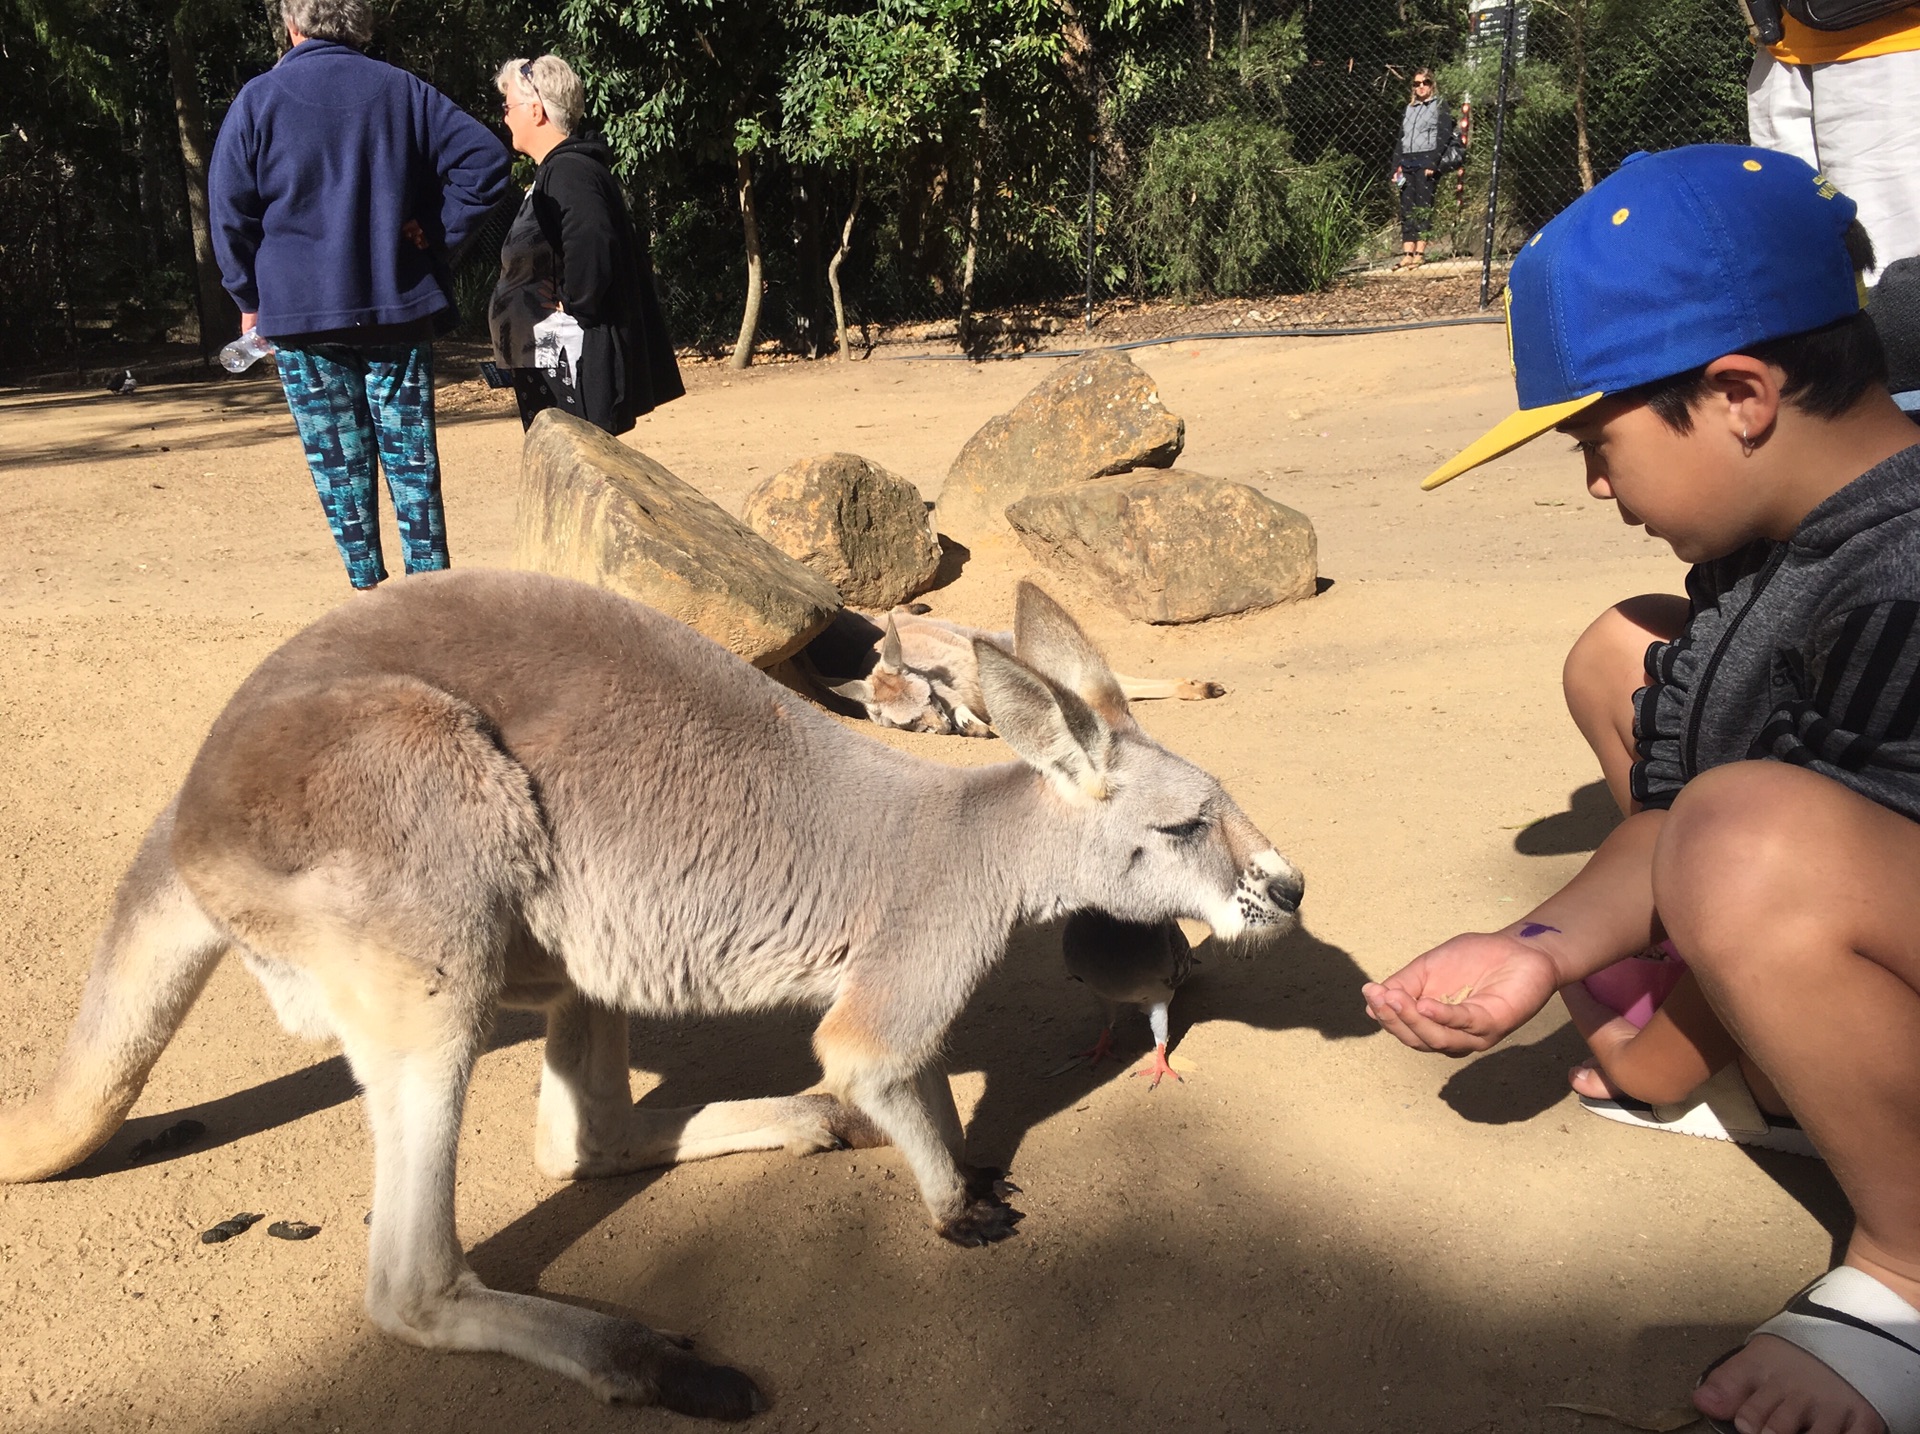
column 1827, row 369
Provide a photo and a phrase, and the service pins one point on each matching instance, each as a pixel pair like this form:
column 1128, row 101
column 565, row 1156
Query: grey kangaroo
column 481, row 789
column 918, row 673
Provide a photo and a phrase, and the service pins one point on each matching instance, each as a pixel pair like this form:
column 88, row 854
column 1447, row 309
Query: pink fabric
column 1636, row 986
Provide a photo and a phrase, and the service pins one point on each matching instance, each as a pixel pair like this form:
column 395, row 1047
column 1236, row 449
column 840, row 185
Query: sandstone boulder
column 851, row 521
column 1172, row 547
column 1094, row 416
column 594, row 509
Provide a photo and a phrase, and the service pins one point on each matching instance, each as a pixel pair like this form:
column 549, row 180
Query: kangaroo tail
column 150, row 964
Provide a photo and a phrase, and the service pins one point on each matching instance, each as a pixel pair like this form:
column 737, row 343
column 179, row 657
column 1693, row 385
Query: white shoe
column 1721, row 1109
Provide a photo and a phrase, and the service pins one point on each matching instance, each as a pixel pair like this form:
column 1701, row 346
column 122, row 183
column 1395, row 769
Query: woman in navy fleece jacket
column 339, row 185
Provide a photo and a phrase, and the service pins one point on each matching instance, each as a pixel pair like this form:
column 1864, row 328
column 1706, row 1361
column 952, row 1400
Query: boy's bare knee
column 1732, row 857
column 1608, row 660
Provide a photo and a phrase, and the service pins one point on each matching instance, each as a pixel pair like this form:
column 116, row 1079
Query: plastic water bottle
column 244, row 352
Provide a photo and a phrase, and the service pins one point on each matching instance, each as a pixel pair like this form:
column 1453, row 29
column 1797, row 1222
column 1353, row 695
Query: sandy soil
column 1317, row 1231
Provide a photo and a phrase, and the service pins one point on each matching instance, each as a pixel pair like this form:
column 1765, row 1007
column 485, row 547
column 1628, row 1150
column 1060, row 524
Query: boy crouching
column 1693, row 323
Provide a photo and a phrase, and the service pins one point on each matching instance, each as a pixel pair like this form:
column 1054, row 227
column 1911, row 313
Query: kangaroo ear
column 1052, row 729
column 858, row 690
column 890, row 646
column 1052, row 643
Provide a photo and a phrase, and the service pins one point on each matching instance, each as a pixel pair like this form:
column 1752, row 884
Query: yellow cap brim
column 1505, row 436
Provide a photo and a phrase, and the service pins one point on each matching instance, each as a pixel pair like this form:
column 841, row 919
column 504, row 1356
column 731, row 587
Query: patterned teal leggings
column 348, row 404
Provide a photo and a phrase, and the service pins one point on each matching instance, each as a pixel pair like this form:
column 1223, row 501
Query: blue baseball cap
column 1672, row 261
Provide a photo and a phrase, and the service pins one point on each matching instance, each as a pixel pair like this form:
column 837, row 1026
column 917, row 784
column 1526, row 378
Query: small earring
column 1746, row 443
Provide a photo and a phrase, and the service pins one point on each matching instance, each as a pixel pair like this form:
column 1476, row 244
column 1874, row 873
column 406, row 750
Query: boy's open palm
column 1464, row 995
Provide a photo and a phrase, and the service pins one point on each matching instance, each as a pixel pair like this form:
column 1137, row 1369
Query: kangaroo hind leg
column 415, row 1062
column 371, row 832
column 151, row 962
column 588, row 1125
column 1187, row 689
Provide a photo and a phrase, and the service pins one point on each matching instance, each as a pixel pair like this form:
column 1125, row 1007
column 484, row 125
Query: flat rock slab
column 1094, row 416
column 863, row 529
column 1172, row 547
column 594, row 509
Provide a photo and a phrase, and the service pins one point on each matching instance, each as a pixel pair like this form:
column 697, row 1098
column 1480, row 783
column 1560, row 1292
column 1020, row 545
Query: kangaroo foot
column 987, row 1218
column 1195, row 689
column 644, row 1367
column 982, row 1222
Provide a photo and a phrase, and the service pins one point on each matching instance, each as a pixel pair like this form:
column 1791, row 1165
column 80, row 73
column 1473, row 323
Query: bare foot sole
column 1773, row 1387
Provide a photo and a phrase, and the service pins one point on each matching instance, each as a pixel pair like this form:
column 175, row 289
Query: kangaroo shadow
column 225, row 1119
column 1589, row 817
column 1018, row 1027
column 1027, row 1020
column 272, row 1103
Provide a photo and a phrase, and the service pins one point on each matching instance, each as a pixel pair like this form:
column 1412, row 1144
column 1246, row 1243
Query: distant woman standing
column 1425, row 130
column 340, row 188
column 575, row 316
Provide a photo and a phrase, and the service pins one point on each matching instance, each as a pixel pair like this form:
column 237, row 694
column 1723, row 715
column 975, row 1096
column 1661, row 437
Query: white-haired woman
column 575, row 316
column 339, row 186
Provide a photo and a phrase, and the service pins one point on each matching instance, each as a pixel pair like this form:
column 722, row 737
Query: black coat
column 574, row 246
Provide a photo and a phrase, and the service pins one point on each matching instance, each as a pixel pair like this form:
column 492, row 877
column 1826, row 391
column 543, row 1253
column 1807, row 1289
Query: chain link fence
column 1248, row 157
column 1238, row 157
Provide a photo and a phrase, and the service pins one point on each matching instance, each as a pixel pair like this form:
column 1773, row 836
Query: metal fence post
column 1093, row 193
column 1499, row 136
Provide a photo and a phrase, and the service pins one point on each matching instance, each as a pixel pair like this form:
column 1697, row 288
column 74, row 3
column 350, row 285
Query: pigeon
column 1128, row 964
column 123, row 383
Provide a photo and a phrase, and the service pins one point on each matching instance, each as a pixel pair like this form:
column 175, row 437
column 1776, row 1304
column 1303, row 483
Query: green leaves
column 866, row 84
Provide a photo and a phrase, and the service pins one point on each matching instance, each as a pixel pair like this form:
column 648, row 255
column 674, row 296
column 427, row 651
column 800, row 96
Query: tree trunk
column 756, row 283
column 972, row 254
column 219, row 319
column 1582, row 149
column 809, row 220
column 839, row 258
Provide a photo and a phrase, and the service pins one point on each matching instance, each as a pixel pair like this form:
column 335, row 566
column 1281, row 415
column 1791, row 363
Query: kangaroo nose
column 1286, row 889
column 1270, row 876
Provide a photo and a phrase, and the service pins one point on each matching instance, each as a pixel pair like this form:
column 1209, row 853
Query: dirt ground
column 1317, row 1231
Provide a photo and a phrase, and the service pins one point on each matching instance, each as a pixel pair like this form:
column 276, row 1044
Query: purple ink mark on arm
column 1534, row 928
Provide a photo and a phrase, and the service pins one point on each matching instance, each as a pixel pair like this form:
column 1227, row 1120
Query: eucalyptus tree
column 866, row 85
column 678, row 82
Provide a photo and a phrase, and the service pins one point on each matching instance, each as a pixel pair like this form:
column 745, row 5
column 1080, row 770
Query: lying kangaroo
column 918, row 673
column 482, row 789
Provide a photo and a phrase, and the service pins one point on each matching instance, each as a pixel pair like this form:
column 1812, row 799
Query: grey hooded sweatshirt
column 1805, row 651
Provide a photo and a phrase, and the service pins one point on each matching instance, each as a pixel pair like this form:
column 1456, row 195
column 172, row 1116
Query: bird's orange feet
column 1098, row 1051
column 1157, row 1067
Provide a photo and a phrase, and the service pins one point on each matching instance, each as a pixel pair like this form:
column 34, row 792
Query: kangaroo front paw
column 987, row 1218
